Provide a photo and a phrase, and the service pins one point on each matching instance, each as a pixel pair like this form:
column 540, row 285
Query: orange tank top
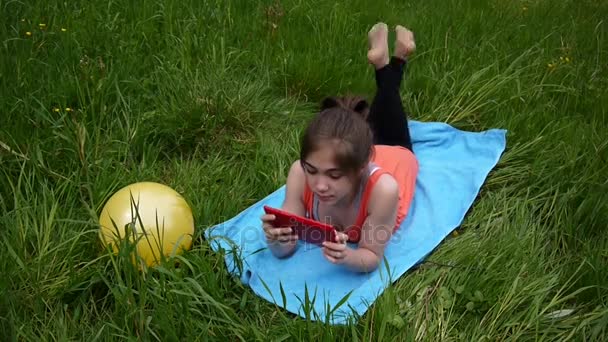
column 397, row 161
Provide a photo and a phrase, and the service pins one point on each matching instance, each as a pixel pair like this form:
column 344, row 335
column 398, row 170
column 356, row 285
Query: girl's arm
column 293, row 204
column 377, row 229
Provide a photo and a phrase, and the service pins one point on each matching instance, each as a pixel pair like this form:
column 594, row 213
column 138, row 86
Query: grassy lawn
column 210, row 97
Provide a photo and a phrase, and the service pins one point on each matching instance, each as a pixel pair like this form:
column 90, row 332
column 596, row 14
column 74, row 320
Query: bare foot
column 378, row 45
column 405, row 44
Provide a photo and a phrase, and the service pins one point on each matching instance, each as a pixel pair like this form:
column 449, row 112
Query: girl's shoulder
column 385, row 190
column 381, row 190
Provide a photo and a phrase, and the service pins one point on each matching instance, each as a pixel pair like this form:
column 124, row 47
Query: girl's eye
column 335, row 176
column 312, row 172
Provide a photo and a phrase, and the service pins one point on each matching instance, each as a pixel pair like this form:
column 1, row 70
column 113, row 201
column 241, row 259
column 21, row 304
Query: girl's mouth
column 325, row 198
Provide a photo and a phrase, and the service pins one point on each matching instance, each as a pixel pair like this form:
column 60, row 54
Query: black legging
column 387, row 118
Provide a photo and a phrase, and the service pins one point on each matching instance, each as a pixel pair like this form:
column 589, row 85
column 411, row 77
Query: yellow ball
column 156, row 218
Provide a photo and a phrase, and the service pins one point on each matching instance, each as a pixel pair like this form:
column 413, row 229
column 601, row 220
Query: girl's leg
column 387, row 117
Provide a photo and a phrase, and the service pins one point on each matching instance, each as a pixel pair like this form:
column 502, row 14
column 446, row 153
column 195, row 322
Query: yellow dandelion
column 22, row 20
column 63, row 29
column 567, row 59
column 56, row 110
column 561, row 59
column 28, row 33
column 68, row 109
column 42, row 25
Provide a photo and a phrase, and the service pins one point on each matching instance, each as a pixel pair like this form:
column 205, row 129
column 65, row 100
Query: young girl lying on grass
column 357, row 170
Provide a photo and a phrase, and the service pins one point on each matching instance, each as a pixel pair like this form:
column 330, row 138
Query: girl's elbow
column 371, row 263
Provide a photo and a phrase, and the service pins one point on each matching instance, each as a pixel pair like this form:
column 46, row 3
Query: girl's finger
column 275, row 233
column 341, row 238
column 268, row 218
column 286, row 231
column 328, row 255
column 334, row 246
column 288, row 238
column 331, row 259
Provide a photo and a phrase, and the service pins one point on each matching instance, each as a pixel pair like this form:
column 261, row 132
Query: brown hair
column 342, row 120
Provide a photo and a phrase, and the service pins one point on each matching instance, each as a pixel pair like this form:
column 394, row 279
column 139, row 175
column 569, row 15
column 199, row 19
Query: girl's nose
column 321, row 186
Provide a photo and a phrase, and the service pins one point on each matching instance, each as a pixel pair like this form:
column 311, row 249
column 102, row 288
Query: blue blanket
column 453, row 166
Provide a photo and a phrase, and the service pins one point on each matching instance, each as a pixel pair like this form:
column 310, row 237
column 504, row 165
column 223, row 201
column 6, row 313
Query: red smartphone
column 307, row 230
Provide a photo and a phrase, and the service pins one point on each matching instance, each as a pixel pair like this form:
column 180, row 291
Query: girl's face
column 332, row 185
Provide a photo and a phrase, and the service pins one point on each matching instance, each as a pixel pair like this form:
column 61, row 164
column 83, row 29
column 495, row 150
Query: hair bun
column 357, row 104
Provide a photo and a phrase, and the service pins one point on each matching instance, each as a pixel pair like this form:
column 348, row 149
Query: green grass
column 210, row 97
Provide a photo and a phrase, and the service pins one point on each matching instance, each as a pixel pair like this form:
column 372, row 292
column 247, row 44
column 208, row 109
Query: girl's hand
column 277, row 234
column 336, row 252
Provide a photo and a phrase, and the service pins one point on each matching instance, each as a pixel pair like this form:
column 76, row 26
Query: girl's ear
column 329, row 102
column 362, row 171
